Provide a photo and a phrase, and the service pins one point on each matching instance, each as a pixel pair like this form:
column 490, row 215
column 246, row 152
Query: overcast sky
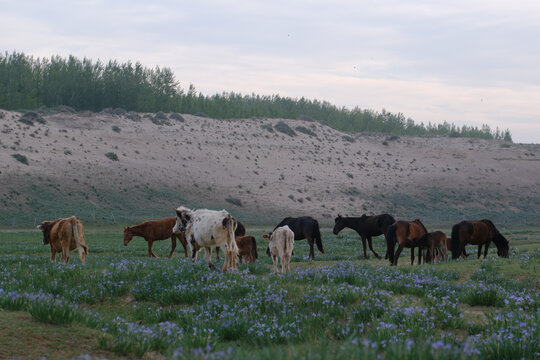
column 463, row 61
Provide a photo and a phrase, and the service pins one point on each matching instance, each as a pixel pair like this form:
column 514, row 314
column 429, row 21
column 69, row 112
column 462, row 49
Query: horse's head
column 46, row 227
column 128, row 235
column 183, row 217
column 339, row 224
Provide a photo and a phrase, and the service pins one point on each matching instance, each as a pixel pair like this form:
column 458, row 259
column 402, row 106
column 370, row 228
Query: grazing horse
column 206, row 228
column 407, row 234
column 481, row 232
column 64, row 235
column 434, row 241
column 366, row 227
column 304, row 227
column 155, row 230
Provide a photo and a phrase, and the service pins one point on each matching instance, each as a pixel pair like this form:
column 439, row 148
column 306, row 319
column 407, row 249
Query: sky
column 461, row 61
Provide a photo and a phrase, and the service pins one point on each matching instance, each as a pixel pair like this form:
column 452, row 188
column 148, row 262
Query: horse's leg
column 412, row 256
column 371, row 248
column 182, row 238
column 364, row 247
column 173, row 245
column 274, row 260
column 479, row 251
column 149, row 243
column 311, row 252
column 398, row 252
column 208, row 257
column 486, row 249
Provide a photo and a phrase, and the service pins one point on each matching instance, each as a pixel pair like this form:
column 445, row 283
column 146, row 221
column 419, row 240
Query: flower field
column 338, row 306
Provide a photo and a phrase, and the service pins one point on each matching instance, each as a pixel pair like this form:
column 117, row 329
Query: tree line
column 30, row 83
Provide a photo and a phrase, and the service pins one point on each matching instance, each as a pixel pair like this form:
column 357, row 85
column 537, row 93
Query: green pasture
column 121, row 304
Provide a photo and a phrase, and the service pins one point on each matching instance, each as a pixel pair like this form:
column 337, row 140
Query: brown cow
column 64, row 235
column 155, row 230
column 247, row 247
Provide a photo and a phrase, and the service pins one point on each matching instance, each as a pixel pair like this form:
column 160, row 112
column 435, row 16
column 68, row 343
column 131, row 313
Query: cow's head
column 128, row 235
column 183, row 217
column 46, row 227
column 268, row 236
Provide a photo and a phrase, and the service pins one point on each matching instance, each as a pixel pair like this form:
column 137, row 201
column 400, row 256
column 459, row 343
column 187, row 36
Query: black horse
column 366, row 227
column 304, row 227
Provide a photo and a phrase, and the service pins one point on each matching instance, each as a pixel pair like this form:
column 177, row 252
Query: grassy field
column 339, row 306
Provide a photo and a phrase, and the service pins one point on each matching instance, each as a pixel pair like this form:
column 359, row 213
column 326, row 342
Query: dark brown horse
column 481, row 232
column 406, row 234
column 366, row 227
column 155, row 230
column 304, row 227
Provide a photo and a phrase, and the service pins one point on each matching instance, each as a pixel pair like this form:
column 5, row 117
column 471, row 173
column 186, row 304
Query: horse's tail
column 455, row 241
column 317, row 236
column 254, row 245
column 390, row 242
column 78, row 234
column 231, row 227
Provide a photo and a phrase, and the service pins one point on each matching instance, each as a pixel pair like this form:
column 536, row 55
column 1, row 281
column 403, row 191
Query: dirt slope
column 258, row 174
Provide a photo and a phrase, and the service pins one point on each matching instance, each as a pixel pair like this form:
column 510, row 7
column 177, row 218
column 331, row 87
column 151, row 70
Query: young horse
column 434, row 241
column 304, row 227
column 366, row 227
column 481, row 232
column 407, row 235
column 155, row 230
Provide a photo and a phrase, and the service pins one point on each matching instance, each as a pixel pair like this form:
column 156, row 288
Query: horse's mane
column 418, row 222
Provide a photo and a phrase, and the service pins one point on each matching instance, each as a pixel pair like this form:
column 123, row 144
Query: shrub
column 161, row 116
column 305, row 130
column 119, row 111
column 157, row 121
column 115, row 129
column 200, row 114
column 305, row 118
column 112, row 156
column 20, row 158
column 133, row 116
column 267, row 127
column 234, row 201
column 284, row 128
column 29, row 117
column 177, row 117
column 348, row 138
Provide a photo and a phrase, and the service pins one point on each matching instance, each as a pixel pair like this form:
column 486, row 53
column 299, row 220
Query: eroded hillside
column 249, row 167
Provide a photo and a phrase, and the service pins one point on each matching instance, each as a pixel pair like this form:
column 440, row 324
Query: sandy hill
column 250, row 168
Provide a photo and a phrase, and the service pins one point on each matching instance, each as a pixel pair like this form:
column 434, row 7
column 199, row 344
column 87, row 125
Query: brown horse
column 434, row 241
column 406, row 234
column 155, row 230
column 481, row 232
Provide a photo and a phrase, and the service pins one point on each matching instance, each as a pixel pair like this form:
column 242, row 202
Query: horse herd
column 204, row 229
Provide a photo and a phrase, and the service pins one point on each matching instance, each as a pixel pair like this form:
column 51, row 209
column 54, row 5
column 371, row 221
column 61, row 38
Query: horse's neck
column 354, row 223
column 138, row 230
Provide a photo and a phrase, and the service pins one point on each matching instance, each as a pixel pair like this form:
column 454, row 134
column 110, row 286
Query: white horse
column 206, row 228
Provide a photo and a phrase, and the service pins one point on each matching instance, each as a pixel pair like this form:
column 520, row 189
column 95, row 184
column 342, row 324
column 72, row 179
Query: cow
column 206, row 228
column 240, row 231
column 281, row 243
column 64, row 235
column 304, row 227
column 247, row 247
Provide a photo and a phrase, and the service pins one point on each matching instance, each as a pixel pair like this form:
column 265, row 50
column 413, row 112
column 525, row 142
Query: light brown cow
column 281, row 243
column 64, row 235
column 247, row 247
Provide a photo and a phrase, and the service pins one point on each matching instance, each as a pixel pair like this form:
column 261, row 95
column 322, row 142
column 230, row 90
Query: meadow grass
column 338, row 305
